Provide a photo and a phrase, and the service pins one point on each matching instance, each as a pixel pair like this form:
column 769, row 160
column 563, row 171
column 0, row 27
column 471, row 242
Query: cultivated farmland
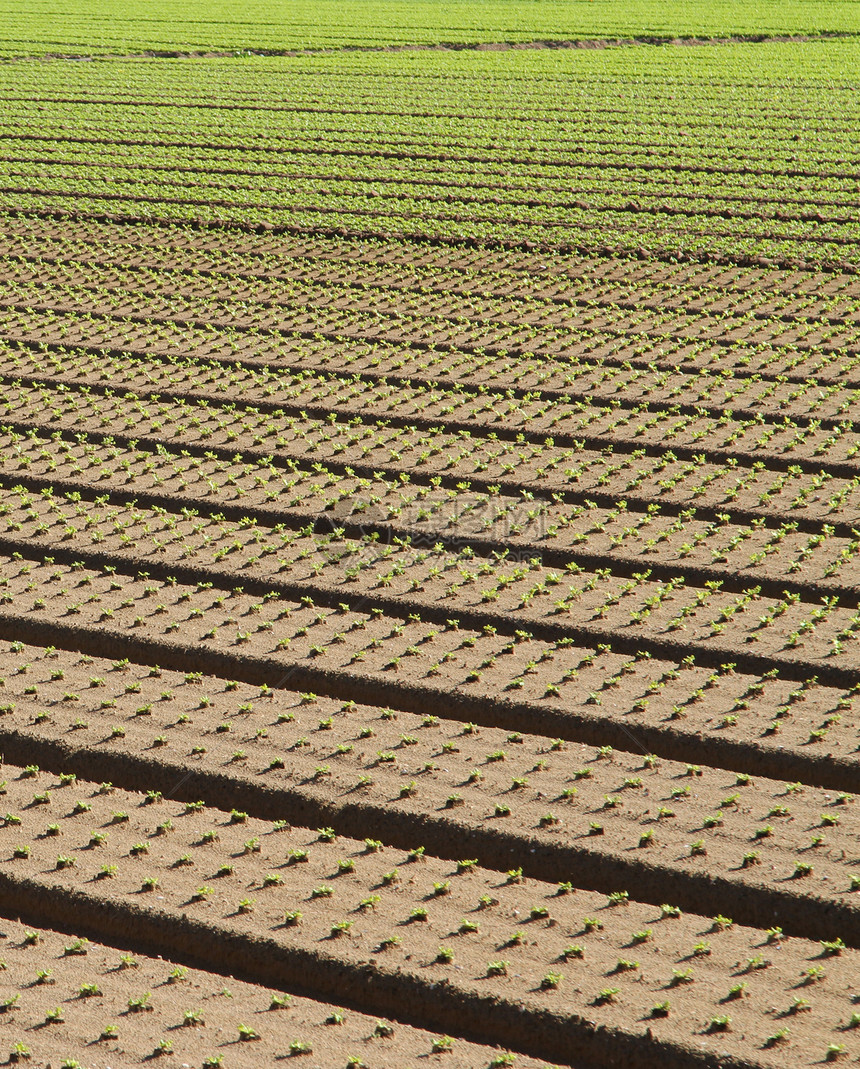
column 430, row 535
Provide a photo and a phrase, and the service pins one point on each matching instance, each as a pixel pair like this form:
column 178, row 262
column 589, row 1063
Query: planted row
column 410, row 662
column 68, row 998
column 579, row 806
column 338, row 900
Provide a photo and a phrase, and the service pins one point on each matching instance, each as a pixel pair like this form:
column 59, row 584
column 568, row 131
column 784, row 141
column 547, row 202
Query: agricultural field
column 430, row 535
column 168, row 27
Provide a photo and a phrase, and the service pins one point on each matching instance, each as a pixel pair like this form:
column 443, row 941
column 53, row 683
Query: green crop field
column 55, row 27
column 660, row 149
column 430, row 534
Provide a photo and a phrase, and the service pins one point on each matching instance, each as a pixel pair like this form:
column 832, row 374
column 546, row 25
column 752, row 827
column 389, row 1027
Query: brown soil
column 476, row 765
column 489, row 583
column 196, row 1015
column 224, row 881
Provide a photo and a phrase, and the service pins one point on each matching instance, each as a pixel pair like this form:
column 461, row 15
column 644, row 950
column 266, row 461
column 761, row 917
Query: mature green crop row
column 659, row 149
column 47, row 27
